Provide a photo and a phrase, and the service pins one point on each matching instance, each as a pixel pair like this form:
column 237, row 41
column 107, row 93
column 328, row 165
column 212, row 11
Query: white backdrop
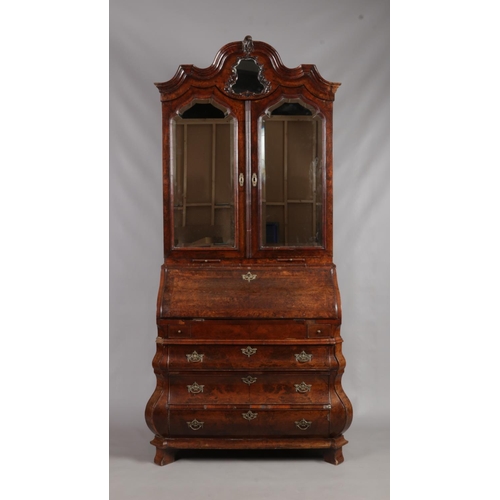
column 348, row 41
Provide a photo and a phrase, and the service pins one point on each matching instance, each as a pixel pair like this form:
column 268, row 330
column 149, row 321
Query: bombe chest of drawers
column 249, row 353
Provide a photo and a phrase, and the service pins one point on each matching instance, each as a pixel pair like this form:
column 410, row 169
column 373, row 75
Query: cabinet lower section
column 250, row 391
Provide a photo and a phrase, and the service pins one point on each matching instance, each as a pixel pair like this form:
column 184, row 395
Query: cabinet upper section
column 248, row 70
column 247, row 160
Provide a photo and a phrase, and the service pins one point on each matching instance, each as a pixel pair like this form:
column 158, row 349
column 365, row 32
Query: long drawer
column 250, row 357
column 238, row 329
column 249, row 387
column 243, row 422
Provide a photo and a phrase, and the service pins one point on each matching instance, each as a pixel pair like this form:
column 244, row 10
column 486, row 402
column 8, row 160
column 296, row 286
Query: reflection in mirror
column 203, row 183
column 291, row 173
column 247, row 78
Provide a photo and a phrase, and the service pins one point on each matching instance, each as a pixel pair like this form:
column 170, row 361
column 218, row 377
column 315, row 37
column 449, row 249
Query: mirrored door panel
column 291, row 171
column 204, row 176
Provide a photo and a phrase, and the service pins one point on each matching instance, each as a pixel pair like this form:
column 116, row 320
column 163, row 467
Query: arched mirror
column 204, row 159
column 247, row 78
column 291, row 169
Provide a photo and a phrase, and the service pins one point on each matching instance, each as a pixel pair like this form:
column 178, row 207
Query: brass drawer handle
column 195, row 425
column 303, row 424
column 194, row 357
column 303, row 357
column 195, row 388
column 249, row 351
column 302, row 387
column 249, row 380
column 249, row 415
column 249, row 276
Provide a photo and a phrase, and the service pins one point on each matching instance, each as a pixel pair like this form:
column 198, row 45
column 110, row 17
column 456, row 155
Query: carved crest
column 248, row 45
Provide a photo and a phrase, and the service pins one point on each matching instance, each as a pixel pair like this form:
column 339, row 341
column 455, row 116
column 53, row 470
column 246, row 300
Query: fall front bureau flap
column 248, row 292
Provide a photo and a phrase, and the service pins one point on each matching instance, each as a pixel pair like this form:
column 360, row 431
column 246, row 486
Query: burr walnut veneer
column 249, row 353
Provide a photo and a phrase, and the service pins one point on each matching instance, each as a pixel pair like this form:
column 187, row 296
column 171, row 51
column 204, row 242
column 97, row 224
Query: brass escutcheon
column 249, row 415
column 249, row 380
column 194, row 357
column 303, row 424
column 302, row 387
column 249, row 350
column 195, row 425
column 249, row 276
column 303, row 357
column 195, row 388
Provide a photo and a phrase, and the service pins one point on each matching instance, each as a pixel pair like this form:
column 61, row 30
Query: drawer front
column 249, row 329
column 197, row 423
column 254, row 356
column 244, row 422
column 203, row 388
column 289, row 388
column 290, row 423
column 249, row 387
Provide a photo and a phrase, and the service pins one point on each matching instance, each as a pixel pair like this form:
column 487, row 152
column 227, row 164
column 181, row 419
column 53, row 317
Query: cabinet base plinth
column 166, row 449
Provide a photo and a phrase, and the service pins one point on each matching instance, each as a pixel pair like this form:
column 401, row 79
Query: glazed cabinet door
column 289, row 179
column 205, row 162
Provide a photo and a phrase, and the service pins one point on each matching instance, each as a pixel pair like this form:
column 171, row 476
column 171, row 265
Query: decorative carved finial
column 247, row 45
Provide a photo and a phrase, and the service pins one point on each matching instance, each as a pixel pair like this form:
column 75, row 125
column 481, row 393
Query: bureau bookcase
column 248, row 352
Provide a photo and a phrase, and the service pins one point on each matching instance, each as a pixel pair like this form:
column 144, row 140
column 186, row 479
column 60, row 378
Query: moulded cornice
column 274, row 71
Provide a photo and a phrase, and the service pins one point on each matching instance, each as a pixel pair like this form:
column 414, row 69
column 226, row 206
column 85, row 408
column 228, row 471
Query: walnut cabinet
column 248, row 352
